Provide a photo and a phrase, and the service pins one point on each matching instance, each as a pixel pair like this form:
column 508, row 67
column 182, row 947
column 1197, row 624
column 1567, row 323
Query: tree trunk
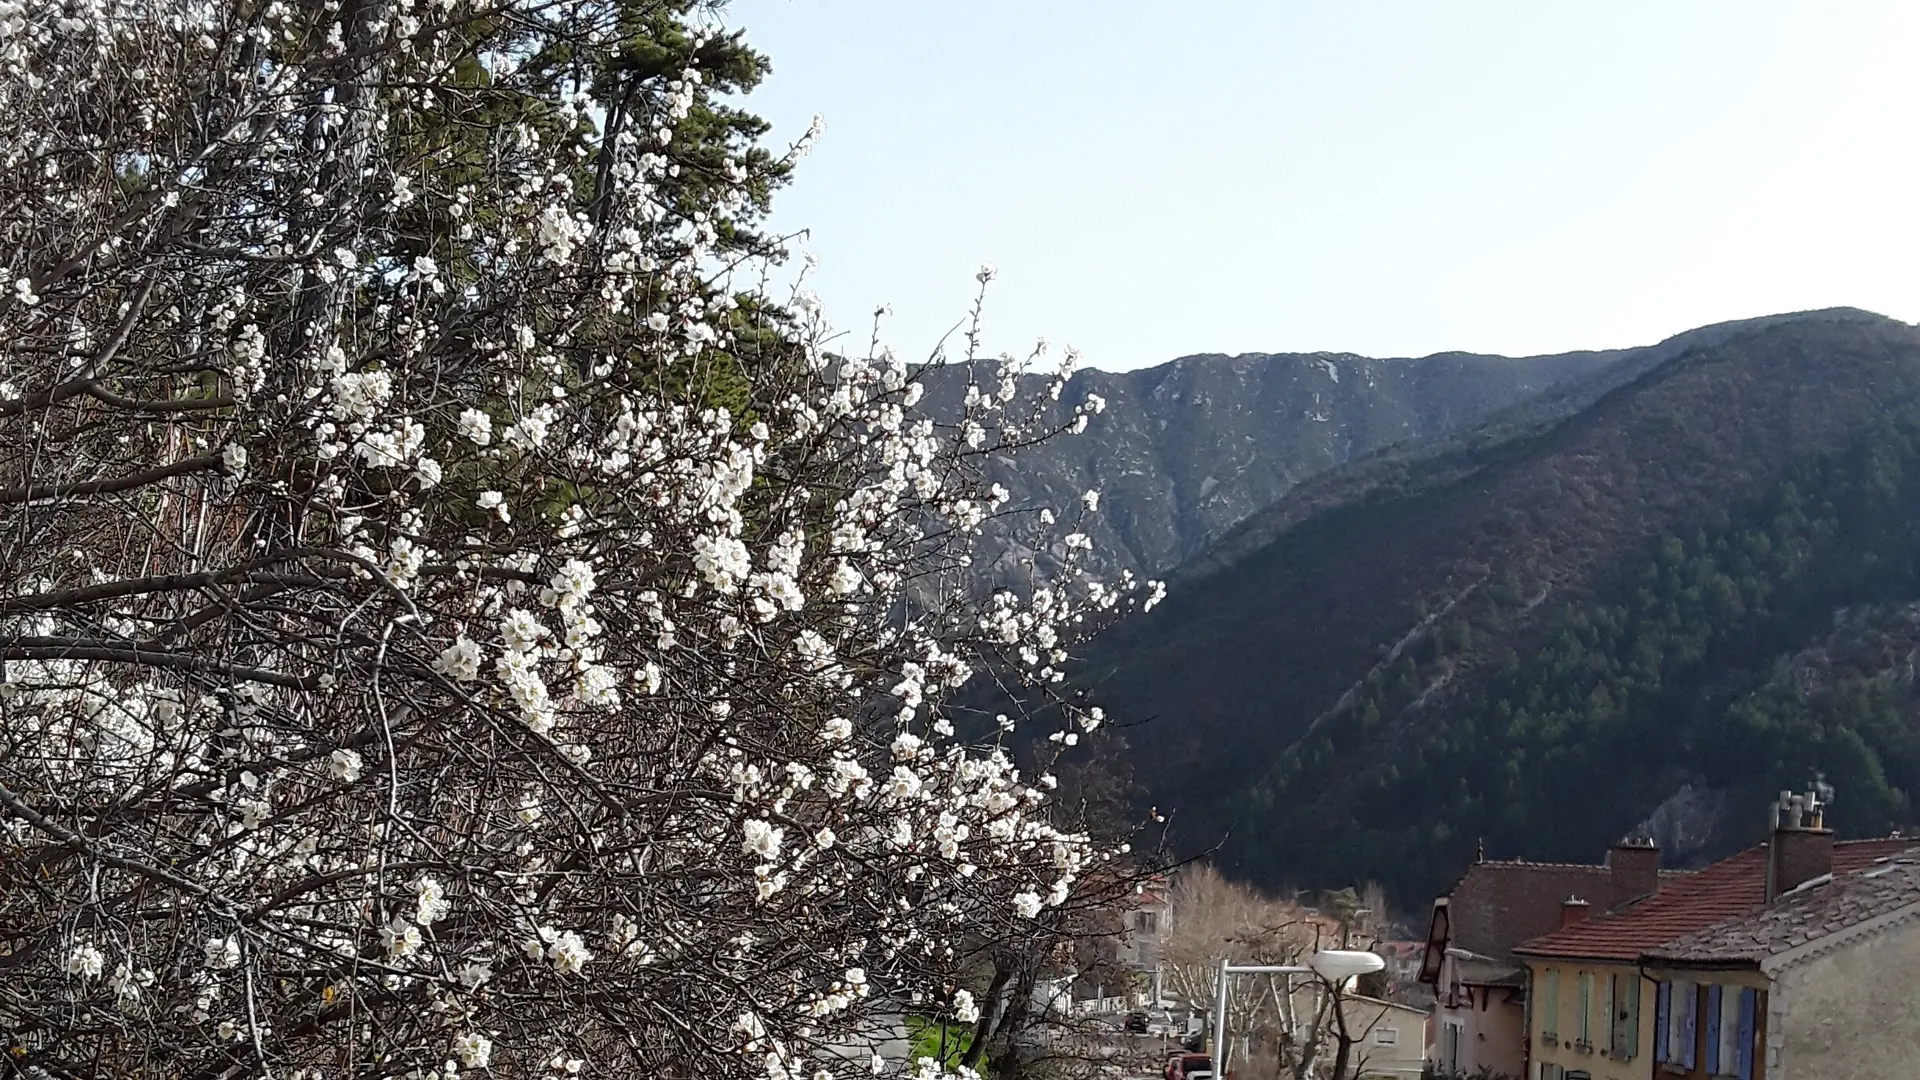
column 989, row 1023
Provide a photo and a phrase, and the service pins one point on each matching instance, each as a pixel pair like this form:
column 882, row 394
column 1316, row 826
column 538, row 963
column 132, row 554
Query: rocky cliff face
column 1188, row 449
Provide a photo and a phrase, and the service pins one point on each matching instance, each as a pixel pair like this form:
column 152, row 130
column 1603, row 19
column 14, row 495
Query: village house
column 1403, row 959
column 1389, row 1036
column 1392, row 1038
column 1479, row 985
column 1121, row 970
column 1823, row 982
column 1599, row 1011
column 1148, row 922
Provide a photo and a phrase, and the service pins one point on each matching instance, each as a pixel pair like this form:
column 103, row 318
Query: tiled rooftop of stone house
column 1729, row 890
column 1816, row 910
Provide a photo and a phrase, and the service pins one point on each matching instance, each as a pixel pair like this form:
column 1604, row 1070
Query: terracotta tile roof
column 1889, row 883
column 1729, row 889
column 1496, row 905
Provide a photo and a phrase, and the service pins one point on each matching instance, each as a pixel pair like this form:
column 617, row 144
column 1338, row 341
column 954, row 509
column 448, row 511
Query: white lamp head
column 1339, row 965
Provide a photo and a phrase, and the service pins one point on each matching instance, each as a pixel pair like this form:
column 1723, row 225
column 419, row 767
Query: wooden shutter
column 1633, row 1016
column 1662, row 1002
column 1744, row 1048
column 1689, row 1019
column 1586, row 1010
column 1713, row 1030
column 1550, row 1006
column 1608, row 997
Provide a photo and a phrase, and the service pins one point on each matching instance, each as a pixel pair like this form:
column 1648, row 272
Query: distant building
column 1392, row 1039
column 1122, row 970
column 1148, row 923
column 1712, row 964
column 1480, row 986
column 1403, row 959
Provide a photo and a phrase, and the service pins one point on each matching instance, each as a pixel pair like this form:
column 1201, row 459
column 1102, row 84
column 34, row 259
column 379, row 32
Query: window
column 1731, row 1019
column 1450, row 1045
column 1723, row 1030
column 1550, row 1006
column 1147, row 922
column 1386, row 1036
column 1552, row 1072
column 1623, row 1035
column 1586, row 1010
column 1679, row 1019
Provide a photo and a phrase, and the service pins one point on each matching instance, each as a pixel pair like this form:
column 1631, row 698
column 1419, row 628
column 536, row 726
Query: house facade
column 1480, row 986
column 1389, row 1036
column 1148, row 922
column 1825, row 981
column 1403, row 959
column 1603, row 1010
column 1121, row 969
column 1394, row 1044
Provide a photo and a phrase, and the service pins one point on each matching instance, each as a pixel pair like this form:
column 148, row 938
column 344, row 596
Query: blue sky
column 1387, row 178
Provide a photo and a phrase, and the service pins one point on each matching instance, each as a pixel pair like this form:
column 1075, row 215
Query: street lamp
column 1336, row 966
column 1339, row 965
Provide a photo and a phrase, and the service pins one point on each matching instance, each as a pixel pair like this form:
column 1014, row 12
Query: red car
column 1190, row 1067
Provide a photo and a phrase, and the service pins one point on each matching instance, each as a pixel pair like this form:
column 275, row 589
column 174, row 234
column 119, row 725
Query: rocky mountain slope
column 1546, row 629
column 1188, row 449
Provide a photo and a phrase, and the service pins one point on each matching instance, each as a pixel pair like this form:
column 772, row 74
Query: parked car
column 1136, row 1023
column 1190, row 1067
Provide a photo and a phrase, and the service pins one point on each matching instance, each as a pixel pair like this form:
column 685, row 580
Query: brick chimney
column 1633, row 872
column 1801, row 847
column 1572, row 910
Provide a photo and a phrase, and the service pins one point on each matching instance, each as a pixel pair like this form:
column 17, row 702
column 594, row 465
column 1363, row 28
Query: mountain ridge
column 1187, row 449
column 1465, row 563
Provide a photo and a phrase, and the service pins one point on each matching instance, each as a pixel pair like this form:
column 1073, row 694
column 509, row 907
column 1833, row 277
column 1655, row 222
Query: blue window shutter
column 1662, row 1000
column 1749, row 1002
column 1689, row 1018
column 1713, row 1030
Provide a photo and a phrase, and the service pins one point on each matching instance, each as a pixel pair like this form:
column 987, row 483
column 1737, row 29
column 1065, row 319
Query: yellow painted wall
column 1563, row 1051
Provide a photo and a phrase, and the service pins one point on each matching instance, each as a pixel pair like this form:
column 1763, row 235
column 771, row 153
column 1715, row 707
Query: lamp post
column 1334, row 965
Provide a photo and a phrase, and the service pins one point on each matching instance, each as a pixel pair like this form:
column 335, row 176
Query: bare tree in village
column 453, row 617
column 1298, row 1026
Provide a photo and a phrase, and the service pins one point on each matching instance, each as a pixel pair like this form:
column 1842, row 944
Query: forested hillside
column 1538, row 640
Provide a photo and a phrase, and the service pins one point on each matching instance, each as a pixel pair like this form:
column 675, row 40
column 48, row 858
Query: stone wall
column 1853, row 1010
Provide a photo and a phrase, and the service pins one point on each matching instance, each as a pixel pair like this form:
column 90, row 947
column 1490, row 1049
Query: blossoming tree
column 452, row 616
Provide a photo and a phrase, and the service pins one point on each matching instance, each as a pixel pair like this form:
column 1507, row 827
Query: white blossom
column 761, row 839
column 400, row 938
column 344, row 765
column 569, row 953
column 86, row 961
column 460, row 660
column 476, row 427
column 473, row 1049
